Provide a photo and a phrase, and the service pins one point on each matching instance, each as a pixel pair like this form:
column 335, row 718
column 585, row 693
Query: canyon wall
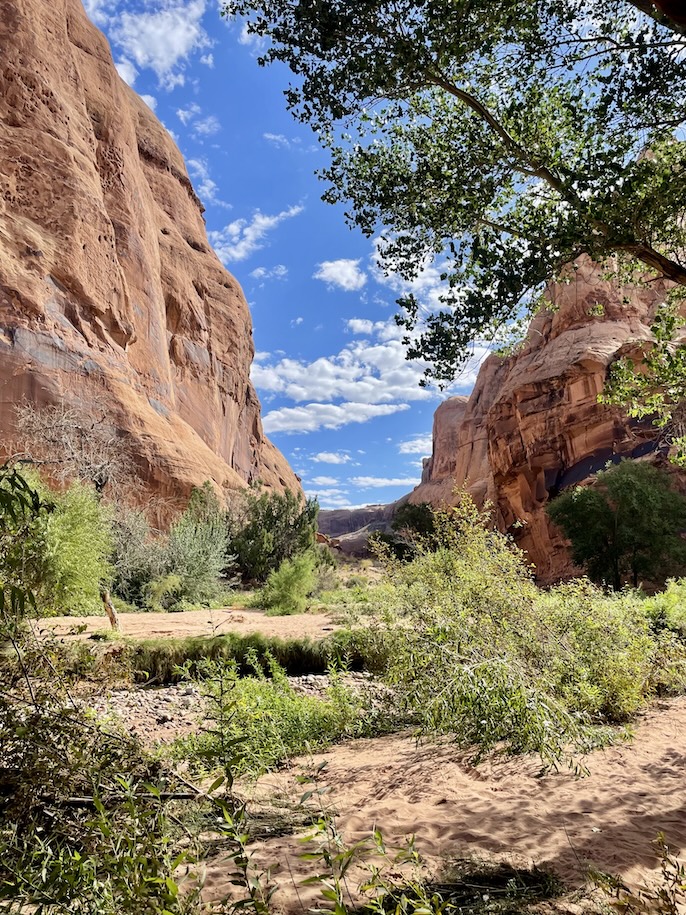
column 111, row 298
column 533, row 425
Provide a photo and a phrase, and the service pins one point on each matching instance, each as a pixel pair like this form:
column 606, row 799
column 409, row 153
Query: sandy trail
column 504, row 809
column 195, row 623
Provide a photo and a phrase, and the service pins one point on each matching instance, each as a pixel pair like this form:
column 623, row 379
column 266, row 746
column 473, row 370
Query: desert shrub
column 599, row 652
column 60, row 553
column 260, row 720
column 288, row 587
column 627, row 523
column 268, row 528
column 137, row 556
column 667, row 610
column 477, row 650
column 196, row 549
column 163, row 593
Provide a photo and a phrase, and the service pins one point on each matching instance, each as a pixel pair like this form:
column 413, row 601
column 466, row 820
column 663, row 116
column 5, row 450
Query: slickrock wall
column 532, row 425
column 110, row 295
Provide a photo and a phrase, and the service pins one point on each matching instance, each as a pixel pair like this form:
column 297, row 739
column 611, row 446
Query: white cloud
column 422, row 444
column 208, row 60
column 186, row 115
column 331, row 457
column 314, row 416
column 100, row 11
column 162, row 40
column 372, row 482
column 127, row 71
column 364, row 371
column 207, row 127
column 150, row 101
column 277, row 139
column 278, row 272
column 324, row 481
column 241, row 238
column 344, row 273
column 296, row 322
column 207, row 188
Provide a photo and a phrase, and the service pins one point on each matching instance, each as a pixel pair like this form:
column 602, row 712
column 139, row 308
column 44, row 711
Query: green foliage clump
column 61, row 552
column 185, row 567
column 597, row 650
column 667, row 609
column 137, row 556
column 475, row 649
column 268, row 528
column 288, row 587
column 626, row 523
column 259, row 721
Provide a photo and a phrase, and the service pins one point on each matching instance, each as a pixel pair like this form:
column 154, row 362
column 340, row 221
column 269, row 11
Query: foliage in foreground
column 627, row 523
column 259, row 721
column 495, row 140
column 476, row 650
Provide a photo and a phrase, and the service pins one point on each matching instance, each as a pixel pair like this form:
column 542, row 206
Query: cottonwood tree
column 627, row 523
column 498, row 140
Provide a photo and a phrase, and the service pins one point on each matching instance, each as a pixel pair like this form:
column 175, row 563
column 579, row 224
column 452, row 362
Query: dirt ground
column 195, row 622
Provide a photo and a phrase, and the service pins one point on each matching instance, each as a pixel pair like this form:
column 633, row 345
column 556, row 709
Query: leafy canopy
column 627, row 523
column 267, row 528
column 497, row 140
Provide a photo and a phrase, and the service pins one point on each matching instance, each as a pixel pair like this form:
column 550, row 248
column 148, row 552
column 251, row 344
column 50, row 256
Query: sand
column 195, row 622
column 502, row 810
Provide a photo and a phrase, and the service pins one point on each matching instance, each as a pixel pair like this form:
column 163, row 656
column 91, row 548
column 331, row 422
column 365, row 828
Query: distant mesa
column 111, row 298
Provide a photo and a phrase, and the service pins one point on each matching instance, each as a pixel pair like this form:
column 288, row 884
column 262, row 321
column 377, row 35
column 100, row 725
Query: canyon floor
column 503, row 810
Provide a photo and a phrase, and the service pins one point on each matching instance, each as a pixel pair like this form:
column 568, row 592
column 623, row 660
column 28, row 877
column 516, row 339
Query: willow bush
column 477, row 650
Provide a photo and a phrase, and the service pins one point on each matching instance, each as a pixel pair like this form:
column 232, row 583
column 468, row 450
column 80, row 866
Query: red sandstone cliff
column 533, row 424
column 110, row 295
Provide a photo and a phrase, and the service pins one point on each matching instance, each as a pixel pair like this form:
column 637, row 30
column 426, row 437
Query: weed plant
column 260, row 720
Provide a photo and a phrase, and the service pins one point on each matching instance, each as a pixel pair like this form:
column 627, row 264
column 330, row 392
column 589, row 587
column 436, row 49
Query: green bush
column 288, row 587
column 196, row 551
column 60, row 553
column 626, row 525
column 477, row 650
column 137, row 556
column 667, row 610
column 269, row 528
column 260, row 721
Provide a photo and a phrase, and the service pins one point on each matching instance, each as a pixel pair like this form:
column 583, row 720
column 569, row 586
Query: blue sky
column 338, row 397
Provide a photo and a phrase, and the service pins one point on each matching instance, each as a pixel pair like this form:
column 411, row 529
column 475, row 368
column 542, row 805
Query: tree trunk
column 109, row 610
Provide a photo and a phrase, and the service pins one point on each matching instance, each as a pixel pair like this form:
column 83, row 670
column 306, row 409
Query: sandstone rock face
column 110, row 295
column 532, row 425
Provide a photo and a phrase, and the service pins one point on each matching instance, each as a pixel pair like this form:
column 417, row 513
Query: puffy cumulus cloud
column 364, row 371
column 323, row 481
column 314, row 416
column 150, row 101
column 373, row 482
column 241, row 238
column 344, row 273
column 331, row 457
column 278, row 272
column 421, row 444
column 127, row 71
column 161, row 39
column 296, row 322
